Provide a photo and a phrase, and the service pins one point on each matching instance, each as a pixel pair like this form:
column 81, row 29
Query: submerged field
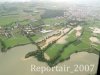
column 60, row 52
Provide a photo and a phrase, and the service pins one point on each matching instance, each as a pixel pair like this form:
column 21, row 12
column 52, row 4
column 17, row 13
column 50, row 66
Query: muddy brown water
column 13, row 62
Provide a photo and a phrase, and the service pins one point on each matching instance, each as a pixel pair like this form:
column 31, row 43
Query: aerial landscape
column 48, row 33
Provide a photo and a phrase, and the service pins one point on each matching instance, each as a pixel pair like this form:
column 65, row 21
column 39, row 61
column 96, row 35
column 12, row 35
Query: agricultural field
column 8, row 20
column 14, row 41
column 81, row 45
column 60, row 52
column 52, row 21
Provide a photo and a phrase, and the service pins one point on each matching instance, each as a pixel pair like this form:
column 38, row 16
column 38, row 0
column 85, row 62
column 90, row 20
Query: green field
column 83, row 44
column 65, row 50
column 52, row 21
column 16, row 40
column 6, row 20
column 54, row 50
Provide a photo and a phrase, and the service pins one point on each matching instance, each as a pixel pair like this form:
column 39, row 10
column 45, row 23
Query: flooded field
column 13, row 62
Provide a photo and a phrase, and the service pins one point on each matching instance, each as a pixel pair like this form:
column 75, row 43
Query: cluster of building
column 5, row 32
column 31, row 30
column 76, row 15
column 23, row 29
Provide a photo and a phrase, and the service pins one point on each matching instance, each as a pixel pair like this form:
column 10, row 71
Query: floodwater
column 13, row 62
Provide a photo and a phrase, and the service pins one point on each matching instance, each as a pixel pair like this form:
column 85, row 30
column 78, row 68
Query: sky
column 14, row 0
column 68, row 1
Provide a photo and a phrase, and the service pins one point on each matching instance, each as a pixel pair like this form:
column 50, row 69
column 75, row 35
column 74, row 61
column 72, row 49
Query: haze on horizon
column 91, row 2
column 15, row 0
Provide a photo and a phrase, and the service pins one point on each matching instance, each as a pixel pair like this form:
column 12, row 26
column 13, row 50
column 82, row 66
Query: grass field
column 80, row 46
column 72, row 47
column 55, row 49
column 36, row 37
column 16, row 40
column 9, row 19
column 52, row 21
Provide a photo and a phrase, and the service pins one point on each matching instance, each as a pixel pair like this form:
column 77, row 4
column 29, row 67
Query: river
column 14, row 63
